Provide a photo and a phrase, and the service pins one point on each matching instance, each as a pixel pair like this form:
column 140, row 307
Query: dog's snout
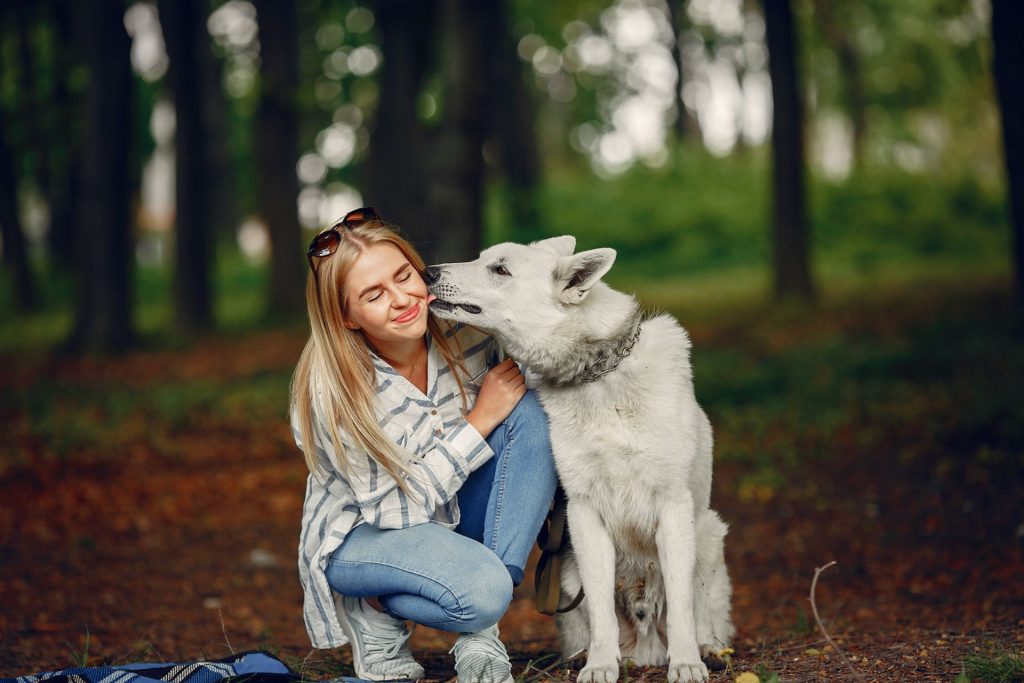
column 431, row 275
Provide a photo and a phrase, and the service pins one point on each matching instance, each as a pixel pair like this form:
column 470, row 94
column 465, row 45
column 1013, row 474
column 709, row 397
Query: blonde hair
column 335, row 380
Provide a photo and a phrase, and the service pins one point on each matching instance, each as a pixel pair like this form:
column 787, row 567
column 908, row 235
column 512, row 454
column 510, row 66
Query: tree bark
column 104, row 245
column 679, row 22
column 455, row 189
column 792, row 274
column 512, row 111
column 193, row 258
column 1008, row 67
column 64, row 161
column 277, row 153
column 222, row 212
column 398, row 158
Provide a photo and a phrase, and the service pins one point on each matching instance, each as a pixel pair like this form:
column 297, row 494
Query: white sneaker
column 380, row 643
column 481, row 658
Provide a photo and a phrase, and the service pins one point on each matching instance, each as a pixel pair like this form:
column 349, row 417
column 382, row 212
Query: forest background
column 828, row 196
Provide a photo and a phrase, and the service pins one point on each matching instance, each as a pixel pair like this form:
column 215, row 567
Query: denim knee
column 485, row 598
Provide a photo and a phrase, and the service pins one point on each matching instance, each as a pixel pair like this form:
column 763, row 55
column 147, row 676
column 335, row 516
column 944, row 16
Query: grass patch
column 1000, row 666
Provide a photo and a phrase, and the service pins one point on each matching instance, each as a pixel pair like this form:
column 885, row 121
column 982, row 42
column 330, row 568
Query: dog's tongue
column 430, row 297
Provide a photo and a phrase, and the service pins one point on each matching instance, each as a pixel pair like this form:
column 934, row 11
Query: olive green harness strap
column 552, row 539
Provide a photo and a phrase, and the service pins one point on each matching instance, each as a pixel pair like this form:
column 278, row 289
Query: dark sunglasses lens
column 359, row 216
column 325, row 243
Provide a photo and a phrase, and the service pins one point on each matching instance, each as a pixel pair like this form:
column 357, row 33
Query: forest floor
column 151, row 502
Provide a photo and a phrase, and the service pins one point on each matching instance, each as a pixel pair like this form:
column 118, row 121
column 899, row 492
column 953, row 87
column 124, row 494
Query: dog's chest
column 605, row 442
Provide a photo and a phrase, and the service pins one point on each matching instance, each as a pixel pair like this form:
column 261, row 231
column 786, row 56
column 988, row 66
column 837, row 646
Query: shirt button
column 438, row 432
column 433, row 412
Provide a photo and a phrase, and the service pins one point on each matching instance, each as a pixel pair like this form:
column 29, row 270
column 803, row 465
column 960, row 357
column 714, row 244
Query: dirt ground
column 136, row 556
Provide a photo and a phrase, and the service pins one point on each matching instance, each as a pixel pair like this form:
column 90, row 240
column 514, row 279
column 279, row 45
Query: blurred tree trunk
column 679, row 22
column 223, row 211
column 838, row 31
column 193, row 258
column 455, row 181
column 1007, row 19
column 511, row 111
column 33, row 102
column 104, row 246
column 790, row 230
column 15, row 253
column 277, row 153
column 65, row 133
column 397, row 164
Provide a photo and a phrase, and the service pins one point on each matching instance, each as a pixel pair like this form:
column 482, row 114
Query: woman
column 430, row 465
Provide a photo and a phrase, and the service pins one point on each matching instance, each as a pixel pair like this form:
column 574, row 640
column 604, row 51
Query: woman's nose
column 400, row 298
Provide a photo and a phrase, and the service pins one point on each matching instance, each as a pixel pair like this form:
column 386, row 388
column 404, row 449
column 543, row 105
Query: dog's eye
column 500, row 270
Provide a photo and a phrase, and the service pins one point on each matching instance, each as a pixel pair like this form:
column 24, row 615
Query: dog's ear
column 563, row 245
column 577, row 273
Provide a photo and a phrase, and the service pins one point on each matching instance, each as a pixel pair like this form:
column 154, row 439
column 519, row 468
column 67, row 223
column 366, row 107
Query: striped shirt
column 444, row 449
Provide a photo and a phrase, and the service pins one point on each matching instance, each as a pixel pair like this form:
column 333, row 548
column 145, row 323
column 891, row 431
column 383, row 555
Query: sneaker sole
column 510, row 679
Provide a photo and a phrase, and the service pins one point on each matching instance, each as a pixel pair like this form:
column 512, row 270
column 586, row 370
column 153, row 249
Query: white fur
column 632, row 449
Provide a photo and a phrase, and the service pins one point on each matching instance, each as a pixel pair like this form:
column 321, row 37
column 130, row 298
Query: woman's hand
column 501, row 390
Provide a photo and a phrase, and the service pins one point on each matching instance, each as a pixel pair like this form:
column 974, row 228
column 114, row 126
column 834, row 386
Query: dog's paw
column 687, row 673
column 599, row 673
column 713, row 659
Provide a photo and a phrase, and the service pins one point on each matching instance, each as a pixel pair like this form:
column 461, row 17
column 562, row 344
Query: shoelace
column 481, row 650
column 387, row 642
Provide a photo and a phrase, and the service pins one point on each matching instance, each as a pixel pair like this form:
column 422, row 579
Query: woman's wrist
column 477, row 422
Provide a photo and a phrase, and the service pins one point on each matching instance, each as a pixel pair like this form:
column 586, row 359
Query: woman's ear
column 351, row 324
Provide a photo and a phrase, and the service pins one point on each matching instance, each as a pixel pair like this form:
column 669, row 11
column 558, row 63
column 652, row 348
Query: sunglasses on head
column 326, row 243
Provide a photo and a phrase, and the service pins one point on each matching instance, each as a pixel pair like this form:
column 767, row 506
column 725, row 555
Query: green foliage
column 702, row 215
column 859, row 389
column 1000, row 666
column 81, row 659
column 766, row 675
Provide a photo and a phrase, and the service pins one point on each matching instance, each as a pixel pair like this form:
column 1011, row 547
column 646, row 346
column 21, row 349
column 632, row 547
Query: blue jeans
column 462, row 579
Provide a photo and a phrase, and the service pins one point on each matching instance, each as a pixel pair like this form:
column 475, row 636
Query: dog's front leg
column 595, row 557
column 677, row 550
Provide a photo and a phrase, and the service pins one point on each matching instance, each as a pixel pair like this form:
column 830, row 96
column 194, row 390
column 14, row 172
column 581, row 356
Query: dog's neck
column 591, row 354
column 608, row 353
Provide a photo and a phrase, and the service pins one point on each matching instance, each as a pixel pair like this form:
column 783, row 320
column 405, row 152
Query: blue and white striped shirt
column 444, row 449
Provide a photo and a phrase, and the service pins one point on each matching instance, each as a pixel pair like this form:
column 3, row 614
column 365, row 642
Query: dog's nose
column 431, row 275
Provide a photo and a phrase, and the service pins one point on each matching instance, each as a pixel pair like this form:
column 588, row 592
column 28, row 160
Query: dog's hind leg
column 573, row 626
column 713, row 604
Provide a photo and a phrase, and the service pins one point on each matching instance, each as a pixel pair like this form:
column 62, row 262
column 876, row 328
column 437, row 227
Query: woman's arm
column 434, row 478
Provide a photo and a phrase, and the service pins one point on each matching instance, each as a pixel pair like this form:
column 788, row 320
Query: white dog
column 632, row 448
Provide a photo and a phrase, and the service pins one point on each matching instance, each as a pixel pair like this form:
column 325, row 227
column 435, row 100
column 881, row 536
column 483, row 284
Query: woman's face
column 385, row 297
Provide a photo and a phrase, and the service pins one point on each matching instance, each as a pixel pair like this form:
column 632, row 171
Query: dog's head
column 519, row 290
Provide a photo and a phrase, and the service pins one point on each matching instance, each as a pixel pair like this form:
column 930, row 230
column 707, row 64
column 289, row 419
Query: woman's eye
column 405, row 278
column 374, row 297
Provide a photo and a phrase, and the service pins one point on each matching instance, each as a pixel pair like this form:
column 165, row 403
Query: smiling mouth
column 448, row 306
column 408, row 315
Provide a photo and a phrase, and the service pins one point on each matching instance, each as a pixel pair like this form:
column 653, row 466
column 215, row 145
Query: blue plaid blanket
column 245, row 667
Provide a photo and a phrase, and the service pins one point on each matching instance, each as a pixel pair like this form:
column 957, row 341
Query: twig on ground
column 302, row 665
column 225, row 631
column 152, row 646
column 546, row 671
column 817, row 619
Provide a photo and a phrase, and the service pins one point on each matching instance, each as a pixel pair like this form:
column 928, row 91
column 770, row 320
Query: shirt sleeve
column 434, row 477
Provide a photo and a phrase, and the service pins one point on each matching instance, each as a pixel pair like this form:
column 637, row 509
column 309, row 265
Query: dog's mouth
column 448, row 306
